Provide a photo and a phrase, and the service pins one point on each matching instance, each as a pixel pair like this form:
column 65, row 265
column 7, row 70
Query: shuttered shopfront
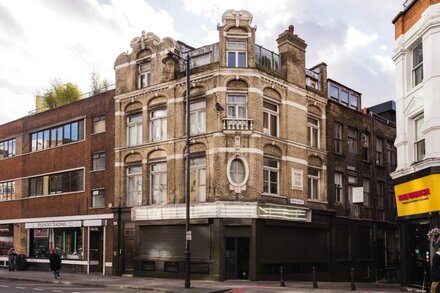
column 161, row 249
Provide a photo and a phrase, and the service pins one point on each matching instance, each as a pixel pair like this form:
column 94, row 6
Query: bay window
column 417, row 63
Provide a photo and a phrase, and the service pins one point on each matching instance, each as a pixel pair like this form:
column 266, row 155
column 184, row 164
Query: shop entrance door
column 237, row 258
column 95, row 249
column 128, row 256
column 418, row 260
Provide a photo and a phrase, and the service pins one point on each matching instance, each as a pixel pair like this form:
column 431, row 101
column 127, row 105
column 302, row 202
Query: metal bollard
column 282, row 284
column 315, row 284
column 353, row 286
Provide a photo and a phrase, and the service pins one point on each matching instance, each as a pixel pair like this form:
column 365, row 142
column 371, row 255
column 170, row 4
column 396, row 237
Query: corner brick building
column 257, row 139
column 56, row 185
column 110, row 195
column 258, row 175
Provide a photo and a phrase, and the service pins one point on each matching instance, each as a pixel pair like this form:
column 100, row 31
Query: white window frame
column 161, row 121
column 236, row 106
column 337, row 132
column 354, row 145
column 246, row 170
column 99, row 193
column 352, row 181
column 160, row 175
column 267, row 115
column 144, row 72
column 197, row 169
column 269, row 170
column 419, row 138
column 134, row 197
column 198, row 112
column 98, row 156
column 98, row 124
column 339, row 187
column 137, row 127
column 311, row 179
column 416, row 67
column 311, row 129
column 232, row 46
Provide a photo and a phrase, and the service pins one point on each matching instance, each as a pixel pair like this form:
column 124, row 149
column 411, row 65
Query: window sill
column 273, row 195
column 96, row 133
column 52, row 194
column 98, row 170
column 316, row 201
column 96, row 208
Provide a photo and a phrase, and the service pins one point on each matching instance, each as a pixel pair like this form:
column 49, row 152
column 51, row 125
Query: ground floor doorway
column 418, row 254
column 237, row 258
column 96, row 249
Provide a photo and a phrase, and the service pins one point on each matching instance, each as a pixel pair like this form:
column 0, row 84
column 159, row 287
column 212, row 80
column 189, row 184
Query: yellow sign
column 418, row 196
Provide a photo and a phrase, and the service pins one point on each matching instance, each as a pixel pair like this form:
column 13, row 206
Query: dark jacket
column 435, row 269
column 55, row 262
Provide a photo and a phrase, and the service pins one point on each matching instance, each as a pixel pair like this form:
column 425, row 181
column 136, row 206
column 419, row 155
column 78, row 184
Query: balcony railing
column 267, row 58
column 200, row 56
column 238, row 124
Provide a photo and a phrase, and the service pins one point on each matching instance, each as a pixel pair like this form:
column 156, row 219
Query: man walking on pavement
column 55, row 263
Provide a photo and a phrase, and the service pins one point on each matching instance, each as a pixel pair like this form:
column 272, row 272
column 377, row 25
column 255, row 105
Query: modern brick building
column 417, row 177
column 361, row 154
column 56, row 185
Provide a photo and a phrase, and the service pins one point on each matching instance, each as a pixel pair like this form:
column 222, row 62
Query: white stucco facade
column 412, row 101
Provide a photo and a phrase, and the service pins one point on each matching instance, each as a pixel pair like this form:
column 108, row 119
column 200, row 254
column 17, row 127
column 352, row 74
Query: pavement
column 197, row 286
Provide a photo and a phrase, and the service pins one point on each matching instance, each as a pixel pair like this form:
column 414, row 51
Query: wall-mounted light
column 218, row 107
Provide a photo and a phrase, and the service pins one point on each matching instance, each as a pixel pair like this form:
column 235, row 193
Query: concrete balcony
column 237, row 124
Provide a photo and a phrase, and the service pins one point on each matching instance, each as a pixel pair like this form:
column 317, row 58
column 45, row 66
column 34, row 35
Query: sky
column 43, row 40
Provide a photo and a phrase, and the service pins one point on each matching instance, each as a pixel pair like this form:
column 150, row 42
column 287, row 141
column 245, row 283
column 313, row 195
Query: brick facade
column 26, row 164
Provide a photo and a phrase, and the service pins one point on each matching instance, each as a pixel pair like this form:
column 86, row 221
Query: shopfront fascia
column 417, row 198
column 70, row 236
column 221, row 209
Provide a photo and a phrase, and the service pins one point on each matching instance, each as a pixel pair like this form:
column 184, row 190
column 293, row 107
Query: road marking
column 4, row 286
column 57, row 291
column 38, row 289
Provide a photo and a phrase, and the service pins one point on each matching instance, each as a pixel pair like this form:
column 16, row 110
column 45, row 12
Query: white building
column 417, row 177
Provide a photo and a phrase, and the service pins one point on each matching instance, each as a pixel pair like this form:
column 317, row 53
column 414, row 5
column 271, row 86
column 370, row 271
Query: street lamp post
column 187, row 62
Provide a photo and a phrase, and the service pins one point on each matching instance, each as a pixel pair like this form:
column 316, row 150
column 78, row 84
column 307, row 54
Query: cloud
column 356, row 38
column 69, row 39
